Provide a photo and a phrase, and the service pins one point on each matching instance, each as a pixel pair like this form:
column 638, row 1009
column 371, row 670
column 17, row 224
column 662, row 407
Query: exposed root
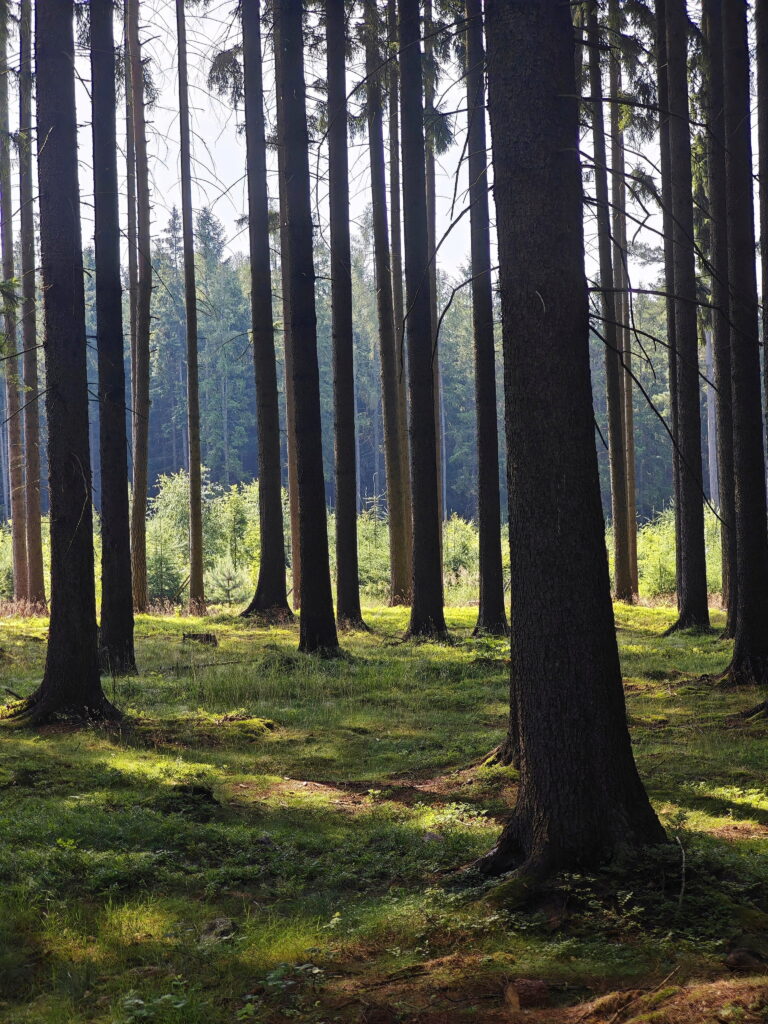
column 757, row 713
column 505, row 755
column 690, row 624
column 36, row 711
column 353, row 624
column 491, row 629
column 277, row 615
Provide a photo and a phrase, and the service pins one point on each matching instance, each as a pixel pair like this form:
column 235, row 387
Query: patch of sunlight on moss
column 139, row 920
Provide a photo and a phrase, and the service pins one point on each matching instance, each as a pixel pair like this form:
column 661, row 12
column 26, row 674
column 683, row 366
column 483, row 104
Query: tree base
column 757, row 713
column 506, row 755
column 39, row 710
column 491, row 627
column 747, row 670
column 693, row 623
column 273, row 615
column 352, row 624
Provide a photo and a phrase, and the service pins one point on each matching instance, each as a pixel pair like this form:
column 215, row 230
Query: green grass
column 315, row 809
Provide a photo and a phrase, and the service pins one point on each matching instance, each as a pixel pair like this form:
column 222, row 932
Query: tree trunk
column 131, row 227
column 35, row 580
column 71, row 686
column 750, row 650
column 692, row 584
column 196, row 583
column 270, row 597
column 427, row 617
column 402, row 568
column 400, row 529
column 492, row 617
column 611, row 329
column 580, row 797
column 11, row 359
column 347, row 578
column 140, row 367
column 317, row 624
column 116, row 633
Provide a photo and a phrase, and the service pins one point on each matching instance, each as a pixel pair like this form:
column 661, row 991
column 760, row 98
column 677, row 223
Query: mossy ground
column 271, row 837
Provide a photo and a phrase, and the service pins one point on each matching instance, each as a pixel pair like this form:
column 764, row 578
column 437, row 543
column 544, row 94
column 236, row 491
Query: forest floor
column 272, row 837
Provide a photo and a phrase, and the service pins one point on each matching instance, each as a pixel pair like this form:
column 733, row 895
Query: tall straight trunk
column 116, row 633
column 140, row 368
column 401, row 586
column 347, row 578
column 270, row 596
column 427, row 616
column 4, row 457
column 71, row 686
column 611, row 329
column 750, row 649
column 196, row 583
column 721, row 339
column 761, row 67
column 692, row 585
column 317, row 624
column 11, row 358
column 35, row 580
column 714, row 486
column 491, row 616
column 577, row 810
column 398, row 489
column 131, row 227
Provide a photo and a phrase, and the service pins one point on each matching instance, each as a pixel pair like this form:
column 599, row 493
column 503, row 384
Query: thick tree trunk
column 196, row 583
column 35, row 580
column 270, row 597
column 611, row 330
column 11, row 359
column 400, row 531
column 116, row 633
column 692, row 584
column 492, row 617
column 761, row 68
column 71, row 686
column 427, row 616
column 140, row 366
column 317, row 624
column 580, row 796
column 348, row 610
column 750, row 651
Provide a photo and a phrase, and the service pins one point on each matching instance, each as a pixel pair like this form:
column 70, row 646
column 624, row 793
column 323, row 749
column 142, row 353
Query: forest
column 383, row 511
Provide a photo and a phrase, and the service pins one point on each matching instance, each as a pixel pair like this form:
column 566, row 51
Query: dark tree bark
column 492, row 616
column 400, row 530
column 131, row 227
column 116, row 633
column 761, row 67
column 71, row 686
column 140, row 365
column 580, row 795
column 11, row 358
column 348, row 610
column 427, row 617
column 692, row 583
column 317, row 624
column 721, row 341
column 35, row 579
column 750, row 650
column 196, row 583
column 270, row 598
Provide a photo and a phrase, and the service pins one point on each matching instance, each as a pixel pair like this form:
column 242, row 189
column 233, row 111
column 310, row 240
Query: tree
column 491, row 617
column 427, row 616
column 35, row 581
column 750, row 650
column 11, row 358
column 761, row 67
column 347, row 584
column 692, row 581
column 71, row 686
column 116, row 633
column 196, row 585
column 270, row 596
column 317, row 625
column 578, row 809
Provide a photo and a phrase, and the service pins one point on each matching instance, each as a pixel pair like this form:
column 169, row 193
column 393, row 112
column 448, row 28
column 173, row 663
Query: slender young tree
column 317, row 624
column 427, row 616
column 491, row 617
column 348, row 610
column 11, row 358
column 270, row 597
column 398, row 489
column 750, row 650
column 692, row 583
column 116, row 633
column 142, row 327
column 35, row 580
column 580, row 809
column 196, row 583
column 71, row 686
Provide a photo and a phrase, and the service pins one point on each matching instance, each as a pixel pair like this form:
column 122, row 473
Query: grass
column 271, row 837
